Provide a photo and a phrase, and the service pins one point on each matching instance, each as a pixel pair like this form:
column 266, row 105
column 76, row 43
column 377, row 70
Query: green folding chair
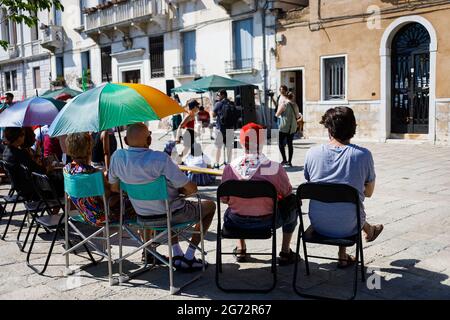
column 84, row 186
column 156, row 191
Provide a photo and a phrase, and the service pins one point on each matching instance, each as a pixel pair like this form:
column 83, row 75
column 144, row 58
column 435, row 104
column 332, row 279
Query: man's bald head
column 138, row 136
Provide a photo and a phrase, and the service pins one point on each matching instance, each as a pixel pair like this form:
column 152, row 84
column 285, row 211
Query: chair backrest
column 84, row 185
column 20, row 178
column 155, row 190
column 328, row 192
column 44, row 188
column 247, row 189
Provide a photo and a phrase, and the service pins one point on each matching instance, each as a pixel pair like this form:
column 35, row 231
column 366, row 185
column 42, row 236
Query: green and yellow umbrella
column 112, row 105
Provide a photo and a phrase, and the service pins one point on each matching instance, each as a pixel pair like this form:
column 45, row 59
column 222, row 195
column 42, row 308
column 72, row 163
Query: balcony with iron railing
column 240, row 66
column 185, row 71
column 123, row 12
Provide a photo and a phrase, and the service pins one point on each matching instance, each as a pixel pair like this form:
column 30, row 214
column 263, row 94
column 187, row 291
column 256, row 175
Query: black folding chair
column 19, row 194
column 329, row 193
column 246, row 189
column 50, row 201
column 12, row 197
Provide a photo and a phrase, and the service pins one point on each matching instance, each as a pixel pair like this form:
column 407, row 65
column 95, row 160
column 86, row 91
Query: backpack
column 230, row 115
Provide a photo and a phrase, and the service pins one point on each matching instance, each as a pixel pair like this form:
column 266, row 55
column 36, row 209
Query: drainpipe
column 22, row 53
column 264, row 88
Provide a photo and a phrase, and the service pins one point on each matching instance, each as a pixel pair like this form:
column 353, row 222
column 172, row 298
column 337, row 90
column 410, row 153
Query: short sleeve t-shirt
column 350, row 164
column 218, row 111
column 141, row 165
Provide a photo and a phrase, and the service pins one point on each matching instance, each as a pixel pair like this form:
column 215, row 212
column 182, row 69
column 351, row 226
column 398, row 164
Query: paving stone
column 411, row 256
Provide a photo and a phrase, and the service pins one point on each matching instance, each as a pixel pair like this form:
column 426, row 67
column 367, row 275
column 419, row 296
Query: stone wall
column 443, row 122
column 367, row 120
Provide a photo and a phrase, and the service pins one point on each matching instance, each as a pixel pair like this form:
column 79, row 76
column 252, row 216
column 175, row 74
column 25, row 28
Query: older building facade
column 168, row 43
column 25, row 67
column 162, row 43
column 387, row 60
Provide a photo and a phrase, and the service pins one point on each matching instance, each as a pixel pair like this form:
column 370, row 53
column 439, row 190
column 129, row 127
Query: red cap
column 248, row 133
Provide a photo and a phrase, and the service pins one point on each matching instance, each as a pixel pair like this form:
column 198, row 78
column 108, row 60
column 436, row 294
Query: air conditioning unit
column 291, row 4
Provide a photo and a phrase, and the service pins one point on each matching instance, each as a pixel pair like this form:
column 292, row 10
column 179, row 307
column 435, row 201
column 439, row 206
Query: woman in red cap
column 257, row 212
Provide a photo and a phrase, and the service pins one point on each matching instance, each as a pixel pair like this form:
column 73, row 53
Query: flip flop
column 376, row 232
column 350, row 261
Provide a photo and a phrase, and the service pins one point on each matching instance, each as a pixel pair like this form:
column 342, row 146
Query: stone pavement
column 410, row 260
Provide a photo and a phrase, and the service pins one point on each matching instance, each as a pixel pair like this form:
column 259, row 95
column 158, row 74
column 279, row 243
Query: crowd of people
column 338, row 161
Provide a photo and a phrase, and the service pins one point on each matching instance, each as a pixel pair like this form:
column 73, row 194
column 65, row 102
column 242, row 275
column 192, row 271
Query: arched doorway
column 410, row 80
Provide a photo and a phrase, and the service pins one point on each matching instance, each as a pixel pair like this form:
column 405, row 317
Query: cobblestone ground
column 410, row 259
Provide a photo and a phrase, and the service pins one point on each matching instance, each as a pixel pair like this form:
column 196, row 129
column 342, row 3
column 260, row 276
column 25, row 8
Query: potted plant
column 89, row 82
column 59, row 82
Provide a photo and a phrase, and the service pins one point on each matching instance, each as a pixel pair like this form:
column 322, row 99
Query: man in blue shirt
column 340, row 161
column 139, row 165
column 221, row 139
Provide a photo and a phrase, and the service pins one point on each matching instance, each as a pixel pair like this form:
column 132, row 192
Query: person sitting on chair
column 15, row 154
column 79, row 147
column 257, row 213
column 139, row 165
column 339, row 161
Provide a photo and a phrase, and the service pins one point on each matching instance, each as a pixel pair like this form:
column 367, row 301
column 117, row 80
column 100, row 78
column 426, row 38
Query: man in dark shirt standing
column 221, row 139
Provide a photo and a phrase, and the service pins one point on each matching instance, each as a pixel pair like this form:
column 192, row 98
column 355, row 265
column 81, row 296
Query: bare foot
column 347, row 261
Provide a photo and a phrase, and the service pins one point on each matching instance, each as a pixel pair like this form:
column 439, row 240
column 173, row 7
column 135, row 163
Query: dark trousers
column 286, row 138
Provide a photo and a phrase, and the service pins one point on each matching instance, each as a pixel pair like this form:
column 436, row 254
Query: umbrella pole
column 42, row 143
column 120, row 138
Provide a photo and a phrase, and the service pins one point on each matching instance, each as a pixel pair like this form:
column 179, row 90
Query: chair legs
column 49, row 251
column 9, row 220
column 359, row 267
column 363, row 271
column 273, row 267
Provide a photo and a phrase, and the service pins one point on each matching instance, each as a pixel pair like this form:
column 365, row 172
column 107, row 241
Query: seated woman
column 339, row 161
column 16, row 154
column 257, row 212
column 79, row 148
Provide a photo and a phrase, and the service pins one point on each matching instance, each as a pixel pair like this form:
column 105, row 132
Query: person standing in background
column 9, row 97
column 105, row 144
column 288, row 113
column 282, row 97
column 188, row 123
column 176, row 119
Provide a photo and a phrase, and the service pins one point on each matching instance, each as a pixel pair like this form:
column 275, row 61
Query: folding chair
column 246, row 189
column 156, row 191
column 84, row 186
column 12, row 197
column 54, row 222
column 20, row 177
column 329, row 193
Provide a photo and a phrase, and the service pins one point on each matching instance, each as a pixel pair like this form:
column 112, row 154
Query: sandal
column 240, row 254
column 188, row 266
column 344, row 263
column 376, row 230
column 286, row 259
